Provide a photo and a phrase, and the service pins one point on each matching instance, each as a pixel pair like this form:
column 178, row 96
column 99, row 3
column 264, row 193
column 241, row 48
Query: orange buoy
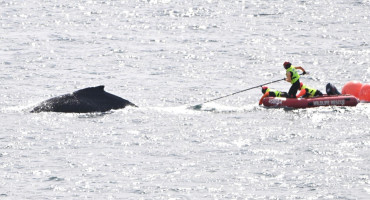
column 352, row 88
column 365, row 92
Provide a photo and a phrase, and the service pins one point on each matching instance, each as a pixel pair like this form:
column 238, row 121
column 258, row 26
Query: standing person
column 292, row 77
column 270, row 93
column 307, row 92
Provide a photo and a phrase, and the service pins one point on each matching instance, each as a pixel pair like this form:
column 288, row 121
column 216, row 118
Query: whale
column 87, row 100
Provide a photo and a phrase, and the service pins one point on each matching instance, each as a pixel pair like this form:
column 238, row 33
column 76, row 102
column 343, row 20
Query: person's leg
column 293, row 90
column 284, row 94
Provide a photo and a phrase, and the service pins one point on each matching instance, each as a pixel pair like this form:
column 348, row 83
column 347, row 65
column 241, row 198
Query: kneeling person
column 269, row 93
column 307, row 92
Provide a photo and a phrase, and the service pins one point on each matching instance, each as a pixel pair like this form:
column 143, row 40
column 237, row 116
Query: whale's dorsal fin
column 90, row 90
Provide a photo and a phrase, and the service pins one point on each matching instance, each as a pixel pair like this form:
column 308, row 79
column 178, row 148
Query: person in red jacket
column 270, row 93
column 307, row 92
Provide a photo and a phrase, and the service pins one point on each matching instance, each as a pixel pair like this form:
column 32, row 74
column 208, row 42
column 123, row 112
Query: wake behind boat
column 326, row 100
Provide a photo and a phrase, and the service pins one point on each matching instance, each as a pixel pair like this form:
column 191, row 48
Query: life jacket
column 295, row 75
column 311, row 92
column 277, row 93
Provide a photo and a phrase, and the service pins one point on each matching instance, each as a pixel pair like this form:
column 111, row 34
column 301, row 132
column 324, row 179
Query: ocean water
column 164, row 56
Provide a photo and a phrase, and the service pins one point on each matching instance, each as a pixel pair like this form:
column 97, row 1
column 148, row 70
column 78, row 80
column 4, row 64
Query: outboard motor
column 331, row 90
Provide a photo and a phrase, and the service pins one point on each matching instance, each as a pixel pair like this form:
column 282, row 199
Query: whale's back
column 93, row 99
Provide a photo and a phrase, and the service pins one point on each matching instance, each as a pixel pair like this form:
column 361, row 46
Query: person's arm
column 301, row 68
column 288, row 77
column 303, row 92
column 265, row 95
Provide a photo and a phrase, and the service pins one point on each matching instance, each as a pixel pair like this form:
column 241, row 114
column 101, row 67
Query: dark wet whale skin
column 92, row 99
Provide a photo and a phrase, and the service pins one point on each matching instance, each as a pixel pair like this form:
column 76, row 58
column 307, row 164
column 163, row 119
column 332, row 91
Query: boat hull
column 335, row 100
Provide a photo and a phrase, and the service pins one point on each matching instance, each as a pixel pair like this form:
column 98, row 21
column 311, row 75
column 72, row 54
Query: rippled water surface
column 165, row 56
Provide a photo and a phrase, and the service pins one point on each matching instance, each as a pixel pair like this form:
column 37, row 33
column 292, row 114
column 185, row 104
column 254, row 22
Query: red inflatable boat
column 335, row 100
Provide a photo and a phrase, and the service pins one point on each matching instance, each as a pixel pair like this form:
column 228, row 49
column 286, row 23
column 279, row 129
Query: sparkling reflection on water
column 165, row 56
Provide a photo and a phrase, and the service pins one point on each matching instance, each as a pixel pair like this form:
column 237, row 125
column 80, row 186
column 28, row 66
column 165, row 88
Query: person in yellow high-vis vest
column 292, row 77
column 270, row 93
column 307, row 92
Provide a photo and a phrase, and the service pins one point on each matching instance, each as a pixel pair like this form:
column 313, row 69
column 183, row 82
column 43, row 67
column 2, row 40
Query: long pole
column 197, row 107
